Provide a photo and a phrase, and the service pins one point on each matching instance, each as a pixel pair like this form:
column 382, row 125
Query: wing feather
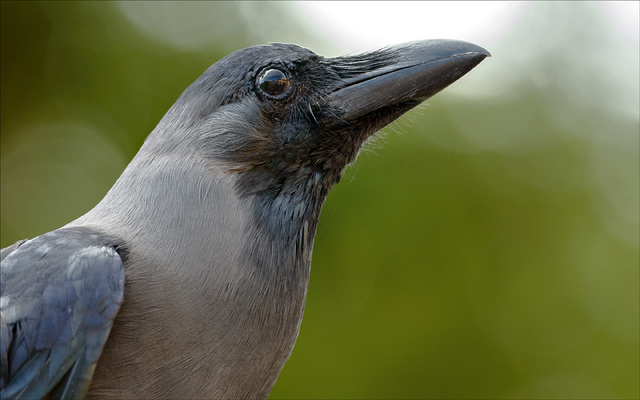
column 60, row 293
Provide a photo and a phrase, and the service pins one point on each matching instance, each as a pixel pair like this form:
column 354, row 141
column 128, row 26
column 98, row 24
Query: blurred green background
column 484, row 246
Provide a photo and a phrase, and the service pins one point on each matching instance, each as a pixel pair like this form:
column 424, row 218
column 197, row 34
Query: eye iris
column 274, row 82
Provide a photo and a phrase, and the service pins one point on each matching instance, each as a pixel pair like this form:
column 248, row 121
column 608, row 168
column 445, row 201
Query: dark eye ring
column 274, row 82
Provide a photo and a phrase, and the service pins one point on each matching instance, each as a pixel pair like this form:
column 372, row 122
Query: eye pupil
column 274, row 82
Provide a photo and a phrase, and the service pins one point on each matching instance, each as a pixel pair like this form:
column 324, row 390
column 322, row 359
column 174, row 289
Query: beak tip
column 485, row 52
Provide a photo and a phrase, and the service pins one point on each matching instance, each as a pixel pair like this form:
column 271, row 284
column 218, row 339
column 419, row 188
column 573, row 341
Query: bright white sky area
column 359, row 25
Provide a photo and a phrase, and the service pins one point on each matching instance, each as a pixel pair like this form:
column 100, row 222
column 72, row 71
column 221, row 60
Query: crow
column 189, row 278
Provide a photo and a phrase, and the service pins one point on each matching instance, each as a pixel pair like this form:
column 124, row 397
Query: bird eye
column 274, row 82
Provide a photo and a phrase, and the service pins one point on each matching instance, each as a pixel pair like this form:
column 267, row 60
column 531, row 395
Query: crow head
column 287, row 121
column 280, row 112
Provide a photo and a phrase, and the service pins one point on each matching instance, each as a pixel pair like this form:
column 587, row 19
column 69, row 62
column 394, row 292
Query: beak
column 417, row 71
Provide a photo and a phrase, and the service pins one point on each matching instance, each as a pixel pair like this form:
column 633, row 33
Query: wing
column 59, row 295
